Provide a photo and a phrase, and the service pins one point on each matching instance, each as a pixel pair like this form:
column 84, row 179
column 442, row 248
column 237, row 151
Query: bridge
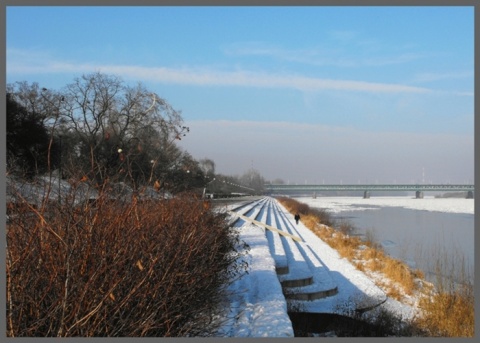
column 368, row 188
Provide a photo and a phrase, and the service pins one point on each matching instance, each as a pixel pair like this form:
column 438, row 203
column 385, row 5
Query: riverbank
column 436, row 304
column 416, row 231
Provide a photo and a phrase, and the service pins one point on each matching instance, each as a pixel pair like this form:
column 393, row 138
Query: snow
column 43, row 187
column 341, row 204
column 257, row 302
column 258, row 305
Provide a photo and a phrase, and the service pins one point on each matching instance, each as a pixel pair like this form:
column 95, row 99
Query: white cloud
column 429, row 77
column 17, row 64
column 322, row 56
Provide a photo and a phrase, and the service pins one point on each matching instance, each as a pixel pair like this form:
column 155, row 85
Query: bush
column 449, row 314
column 294, row 206
column 150, row 268
column 450, row 311
column 28, row 141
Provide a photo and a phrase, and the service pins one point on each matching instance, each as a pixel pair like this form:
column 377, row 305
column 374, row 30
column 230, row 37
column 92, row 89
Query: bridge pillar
column 419, row 194
column 366, row 195
column 470, row 195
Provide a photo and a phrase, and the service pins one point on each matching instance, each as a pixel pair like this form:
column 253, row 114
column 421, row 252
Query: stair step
column 311, row 294
column 300, row 273
column 274, row 242
column 321, row 284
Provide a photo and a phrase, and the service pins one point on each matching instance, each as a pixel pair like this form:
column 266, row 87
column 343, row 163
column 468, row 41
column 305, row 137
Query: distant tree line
column 99, row 129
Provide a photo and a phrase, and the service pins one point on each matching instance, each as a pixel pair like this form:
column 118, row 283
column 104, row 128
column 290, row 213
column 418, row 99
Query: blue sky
column 305, row 94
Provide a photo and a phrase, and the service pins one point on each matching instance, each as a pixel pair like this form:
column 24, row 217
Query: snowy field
column 343, row 204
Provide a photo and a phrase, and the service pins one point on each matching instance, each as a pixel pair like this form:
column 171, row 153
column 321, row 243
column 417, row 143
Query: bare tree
column 124, row 131
column 93, row 100
column 253, row 180
column 42, row 103
column 107, row 130
column 208, row 167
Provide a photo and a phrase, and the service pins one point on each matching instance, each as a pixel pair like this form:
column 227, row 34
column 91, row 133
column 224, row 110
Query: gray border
column 216, row 2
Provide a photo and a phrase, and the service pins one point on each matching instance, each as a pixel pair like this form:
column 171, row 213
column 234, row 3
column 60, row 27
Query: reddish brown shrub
column 154, row 268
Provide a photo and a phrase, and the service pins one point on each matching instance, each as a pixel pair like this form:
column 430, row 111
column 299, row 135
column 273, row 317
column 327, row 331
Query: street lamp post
column 205, row 188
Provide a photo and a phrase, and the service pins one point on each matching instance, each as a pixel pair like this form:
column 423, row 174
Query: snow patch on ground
column 258, row 306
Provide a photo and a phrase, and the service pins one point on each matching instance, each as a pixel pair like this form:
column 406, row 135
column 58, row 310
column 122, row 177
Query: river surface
column 425, row 233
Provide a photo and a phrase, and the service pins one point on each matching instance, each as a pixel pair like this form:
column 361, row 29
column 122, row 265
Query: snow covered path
column 314, row 279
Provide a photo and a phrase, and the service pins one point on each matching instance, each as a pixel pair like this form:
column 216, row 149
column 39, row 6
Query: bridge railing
column 374, row 187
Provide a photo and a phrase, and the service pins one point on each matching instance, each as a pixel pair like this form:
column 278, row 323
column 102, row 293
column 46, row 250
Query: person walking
column 297, row 217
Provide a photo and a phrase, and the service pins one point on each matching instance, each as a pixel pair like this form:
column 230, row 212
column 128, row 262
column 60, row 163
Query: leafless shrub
column 449, row 311
column 345, row 227
column 119, row 268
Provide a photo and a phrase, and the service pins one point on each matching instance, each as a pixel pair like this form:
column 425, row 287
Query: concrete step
column 325, row 293
column 262, row 211
column 322, row 284
column 243, row 209
column 299, row 272
column 274, row 242
column 254, row 212
column 299, row 269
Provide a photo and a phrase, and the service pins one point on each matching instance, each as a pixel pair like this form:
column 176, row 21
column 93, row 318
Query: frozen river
column 421, row 232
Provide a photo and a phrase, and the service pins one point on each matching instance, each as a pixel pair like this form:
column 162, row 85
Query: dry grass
column 118, row 269
column 447, row 311
column 369, row 254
